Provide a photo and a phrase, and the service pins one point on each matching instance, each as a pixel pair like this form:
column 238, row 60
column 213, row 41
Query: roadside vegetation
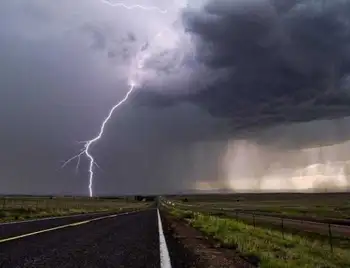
column 329, row 209
column 265, row 246
column 312, row 205
column 300, row 209
column 24, row 208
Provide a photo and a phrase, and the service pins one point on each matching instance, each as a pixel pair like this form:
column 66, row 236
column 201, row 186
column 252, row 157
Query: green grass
column 19, row 208
column 319, row 206
column 323, row 237
column 19, row 214
column 269, row 246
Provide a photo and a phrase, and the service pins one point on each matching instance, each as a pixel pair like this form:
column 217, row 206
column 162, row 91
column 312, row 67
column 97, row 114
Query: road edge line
column 163, row 248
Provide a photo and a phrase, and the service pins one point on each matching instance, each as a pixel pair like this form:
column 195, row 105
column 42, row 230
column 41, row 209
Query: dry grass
column 22, row 208
column 321, row 205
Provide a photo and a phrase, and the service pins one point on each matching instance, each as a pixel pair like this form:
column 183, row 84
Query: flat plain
column 17, row 208
column 272, row 229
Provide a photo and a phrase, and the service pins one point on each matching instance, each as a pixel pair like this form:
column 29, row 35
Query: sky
column 233, row 94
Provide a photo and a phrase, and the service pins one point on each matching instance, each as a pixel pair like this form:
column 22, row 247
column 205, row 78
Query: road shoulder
column 199, row 252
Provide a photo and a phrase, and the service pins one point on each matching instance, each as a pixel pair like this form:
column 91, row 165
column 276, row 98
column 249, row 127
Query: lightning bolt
column 145, row 8
column 88, row 144
column 132, row 85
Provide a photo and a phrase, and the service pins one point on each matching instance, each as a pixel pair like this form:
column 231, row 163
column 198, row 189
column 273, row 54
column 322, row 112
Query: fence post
column 330, row 236
column 4, row 203
column 282, row 227
column 236, row 215
column 254, row 219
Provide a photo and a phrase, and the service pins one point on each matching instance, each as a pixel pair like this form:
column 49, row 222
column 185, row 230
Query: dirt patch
column 203, row 251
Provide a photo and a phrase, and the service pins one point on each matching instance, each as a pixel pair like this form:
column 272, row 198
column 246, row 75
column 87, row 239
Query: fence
column 284, row 224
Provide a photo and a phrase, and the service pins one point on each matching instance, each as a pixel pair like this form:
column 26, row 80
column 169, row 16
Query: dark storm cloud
column 286, row 60
column 63, row 66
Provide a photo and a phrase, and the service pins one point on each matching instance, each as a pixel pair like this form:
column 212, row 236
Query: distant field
column 265, row 246
column 274, row 230
column 318, row 206
column 13, row 208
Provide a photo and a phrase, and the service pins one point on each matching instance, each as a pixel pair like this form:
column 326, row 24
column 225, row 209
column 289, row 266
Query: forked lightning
column 145, row 8
column 87, row 144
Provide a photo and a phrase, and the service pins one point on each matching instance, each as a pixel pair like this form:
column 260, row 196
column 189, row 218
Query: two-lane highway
column 129, row 240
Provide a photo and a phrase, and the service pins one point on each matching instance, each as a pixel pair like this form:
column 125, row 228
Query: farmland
column 16, row 208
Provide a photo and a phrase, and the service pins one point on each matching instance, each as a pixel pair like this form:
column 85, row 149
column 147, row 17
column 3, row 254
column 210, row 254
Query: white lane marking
column 164, row 253
column 63, row 226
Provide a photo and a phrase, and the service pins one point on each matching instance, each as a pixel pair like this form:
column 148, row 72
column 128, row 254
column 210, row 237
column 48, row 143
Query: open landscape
column 175, row 134
column 272, row 230
column 318, row 206
column 230, row 230
column 17, row 208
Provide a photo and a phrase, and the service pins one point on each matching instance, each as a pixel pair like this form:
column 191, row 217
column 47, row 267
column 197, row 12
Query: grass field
column 318, row 206
column 266, row 246
column 15, row 208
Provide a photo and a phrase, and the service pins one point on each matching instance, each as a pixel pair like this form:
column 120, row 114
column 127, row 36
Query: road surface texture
column 22, row 227
column 134, row 239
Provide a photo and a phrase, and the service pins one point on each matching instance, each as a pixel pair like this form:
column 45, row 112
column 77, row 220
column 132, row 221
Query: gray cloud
column 266, row 66
column 99, row 41
column 63, row 66
column 282, row 61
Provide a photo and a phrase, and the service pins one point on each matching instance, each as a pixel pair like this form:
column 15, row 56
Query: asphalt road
column 128, row 240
